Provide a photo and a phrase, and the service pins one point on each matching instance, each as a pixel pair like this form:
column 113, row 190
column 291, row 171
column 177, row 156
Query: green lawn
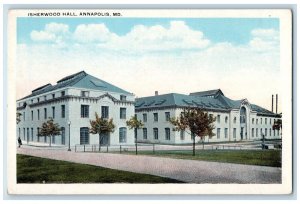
column 251, row 157
column 36, row 170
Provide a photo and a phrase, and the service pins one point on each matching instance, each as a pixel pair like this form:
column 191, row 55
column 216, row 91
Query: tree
column 49, row 129
column 133, row 122
column 198, row 122
column 277, row 125
column 100, row 126
column 18, row 117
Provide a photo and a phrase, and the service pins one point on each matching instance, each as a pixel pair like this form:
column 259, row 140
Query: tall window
column 155, row 133
column 144, row 133
column 37, row 134
column 226, row 132
column 84, row 111
column 24, row 137
column 218, row 133
column 144, row 117
column 167, row 133
column 234, row 120
column 234, row 132
column 261, row 132
column 260, row 120
column 53, row 139
column 122, row 134
column 274, row 133
column 226, row 119
column 122, row 113
column 167, row 115
column 122, row 97
column 38, row 114
column 218, row 118
column 252, row 120
column 53, row 112
column 84, row 135
column 45, row 98
column 27, row 139
column 45, row 113
column 32, row 115
column 105, row 112
column 182, row 134
column 38, row 99
column 155, row 116
column 31, row 134
column 63, row 135
column 266, row 132
column 252, row 132
column 270, row 122
column 256, row 121
column 265, row 120
column 256, row 132
column 85, row 93
column 63, row 111
column 24, row 116
column 270, row 132
column 53, row 95
column 63, row 93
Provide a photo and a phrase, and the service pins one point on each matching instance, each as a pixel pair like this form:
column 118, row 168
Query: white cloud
column 42, row 36
column 264, row 40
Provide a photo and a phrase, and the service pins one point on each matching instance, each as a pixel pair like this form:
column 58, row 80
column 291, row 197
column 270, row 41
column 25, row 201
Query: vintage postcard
column 166, row 101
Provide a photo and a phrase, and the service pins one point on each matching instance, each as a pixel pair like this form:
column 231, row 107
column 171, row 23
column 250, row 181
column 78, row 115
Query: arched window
column 226, row 119
column 252, row 120
column 122, row 134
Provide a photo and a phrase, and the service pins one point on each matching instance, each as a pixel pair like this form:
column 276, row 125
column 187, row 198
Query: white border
column 286, row 74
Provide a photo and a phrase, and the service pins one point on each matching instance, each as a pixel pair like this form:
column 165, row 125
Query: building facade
column 72, row 103
column 236, row 120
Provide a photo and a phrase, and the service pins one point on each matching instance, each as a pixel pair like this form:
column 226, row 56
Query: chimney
column 272, row 102
column 276, row 102
column 156, row 93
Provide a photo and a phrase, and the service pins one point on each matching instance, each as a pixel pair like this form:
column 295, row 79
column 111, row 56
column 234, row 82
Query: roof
column 78, row 80
column 218, row 102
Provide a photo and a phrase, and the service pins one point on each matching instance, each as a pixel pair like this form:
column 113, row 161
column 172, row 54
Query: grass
column 251, row 157
column 36, row 170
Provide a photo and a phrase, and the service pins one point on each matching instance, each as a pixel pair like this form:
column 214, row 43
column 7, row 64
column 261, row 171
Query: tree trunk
column 135, row 132
column 194, row 145
column 99, row 142
column 50, row 140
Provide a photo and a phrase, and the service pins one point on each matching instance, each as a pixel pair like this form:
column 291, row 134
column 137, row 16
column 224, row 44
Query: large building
column 72, row 103
column 236, row 120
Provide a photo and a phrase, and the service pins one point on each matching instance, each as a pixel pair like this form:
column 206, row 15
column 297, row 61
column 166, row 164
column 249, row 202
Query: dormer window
column 31, row 101
column 63, row 93
column 45, row 98
column 123, row 98
column 38, row 99
column 53, row 95
column 85, row 93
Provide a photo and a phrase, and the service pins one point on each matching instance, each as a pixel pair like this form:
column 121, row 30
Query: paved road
column 185, row 170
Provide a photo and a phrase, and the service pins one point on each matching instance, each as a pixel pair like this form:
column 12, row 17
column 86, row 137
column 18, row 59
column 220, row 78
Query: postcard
column 149, row 101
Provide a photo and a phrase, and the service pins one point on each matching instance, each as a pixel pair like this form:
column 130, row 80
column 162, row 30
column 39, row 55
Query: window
column 122, row 97
column 260, row 120
column 85, row 93
column 31, row 101
column 84, row 111
column 37, row 134
column 270, row 132
column 155, row 133
column 234, row 120
column 53, row 139
column 53, row 95
column 218, row 118
column 122, row 134
column 256, row 121
column 31, row 134
column 45, row 139
column 144, row 133
column 38, row 114
column 53, row 112
column 104, row 112
column 234, row 132
column 270, row 122
column 45, row 113
column 45, row 98
column 38, row 99
column 252, row 132
column 274, row 132
column 167, row 133
column 182, row 134
column 84, row 135
column 256, row 132
column 144, row 117
column 167, row 115
column 63, row 93
column 24, row 116
column 265, row 120
column 24, row 133
column 266, row 132
column 155, row 116
column 32, row 115
column 226, row 119
column 226, row 132
column 63, row 135
column 252, row 120
column 218, row 133
column 261, row 133
column 122, row 113
column 27, row 139
column 63, row 111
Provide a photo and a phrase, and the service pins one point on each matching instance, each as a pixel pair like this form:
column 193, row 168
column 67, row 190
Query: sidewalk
column 185, row 170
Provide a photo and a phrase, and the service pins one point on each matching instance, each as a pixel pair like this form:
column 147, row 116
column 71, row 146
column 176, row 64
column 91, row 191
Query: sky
column 143, row 55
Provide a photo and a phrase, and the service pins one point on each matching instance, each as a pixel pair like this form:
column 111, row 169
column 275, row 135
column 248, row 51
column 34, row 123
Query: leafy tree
column 49, row 129
column 277, row 125
column 133, row 122
column 198, row 122
column 100, row 126
column 18, row 117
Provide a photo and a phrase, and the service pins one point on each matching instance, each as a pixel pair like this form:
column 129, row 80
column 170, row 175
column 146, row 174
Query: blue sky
column 233, row 30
